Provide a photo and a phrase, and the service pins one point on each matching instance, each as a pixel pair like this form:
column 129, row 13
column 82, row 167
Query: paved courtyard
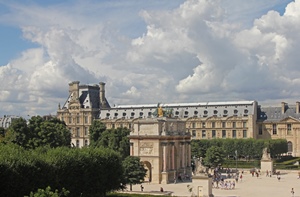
column 249, row 187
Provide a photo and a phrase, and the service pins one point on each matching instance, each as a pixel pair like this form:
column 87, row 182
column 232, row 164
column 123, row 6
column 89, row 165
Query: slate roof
column 274, row 114
column 88, row 97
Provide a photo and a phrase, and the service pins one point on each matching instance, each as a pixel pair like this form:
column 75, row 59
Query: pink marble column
column 183, row 155
column 173, row 156
column 165, row 157
column 189, row 154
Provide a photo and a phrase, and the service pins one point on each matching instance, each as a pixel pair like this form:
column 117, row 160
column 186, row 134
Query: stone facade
column 6, row 121
column 163, row 145
column 280, row 123
column 81, row 108
column 203, row 120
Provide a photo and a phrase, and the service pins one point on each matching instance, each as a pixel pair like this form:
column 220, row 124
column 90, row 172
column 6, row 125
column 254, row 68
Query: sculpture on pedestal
column 199, row 168
column 266, row 155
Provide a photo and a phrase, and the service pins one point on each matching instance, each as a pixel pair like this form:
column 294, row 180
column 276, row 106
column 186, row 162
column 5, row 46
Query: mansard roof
column 182, row 110
column 274, row 114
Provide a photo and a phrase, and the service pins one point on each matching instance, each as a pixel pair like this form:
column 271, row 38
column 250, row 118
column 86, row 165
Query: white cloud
column 197, row 50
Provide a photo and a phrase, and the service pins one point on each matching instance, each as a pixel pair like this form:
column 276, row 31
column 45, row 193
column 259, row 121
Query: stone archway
column 148, row 167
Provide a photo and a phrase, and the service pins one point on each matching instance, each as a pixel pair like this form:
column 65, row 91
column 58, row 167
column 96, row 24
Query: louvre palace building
column 202, row 120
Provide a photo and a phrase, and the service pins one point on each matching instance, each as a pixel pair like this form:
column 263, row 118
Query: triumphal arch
column 163, row 145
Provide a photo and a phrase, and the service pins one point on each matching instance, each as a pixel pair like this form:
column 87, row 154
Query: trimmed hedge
column 83, row 172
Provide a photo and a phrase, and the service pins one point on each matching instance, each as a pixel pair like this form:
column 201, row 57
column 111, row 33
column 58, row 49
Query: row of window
column 86, row 143
column 77, row 119
column 205, row 112
column 274, row 129
column 223, row 124
column 225, row 134
column 76, row 131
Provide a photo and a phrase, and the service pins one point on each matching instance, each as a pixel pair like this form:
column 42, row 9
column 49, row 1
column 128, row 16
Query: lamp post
column 236, row 160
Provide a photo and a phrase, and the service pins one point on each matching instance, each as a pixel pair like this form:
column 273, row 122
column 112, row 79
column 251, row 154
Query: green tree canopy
column 95, row 131
column 214, row 156
column 18, row 133
column 116, row 139
column 38, row 132
column 134, row 171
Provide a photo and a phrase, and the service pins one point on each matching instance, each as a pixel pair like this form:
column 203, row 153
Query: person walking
column 292, row 192
column 142, row 188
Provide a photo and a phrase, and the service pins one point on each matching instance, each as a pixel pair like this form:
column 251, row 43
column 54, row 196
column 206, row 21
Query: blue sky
column 148, row 51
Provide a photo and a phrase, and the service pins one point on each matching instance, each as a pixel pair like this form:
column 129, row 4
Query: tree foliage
column 116, row 139
column 49, row 193
column 38, row 132
column 96, row 129
column 246, row 148
column 18, row 133
column 134, row 171
column 83, row 172
column 214, row 156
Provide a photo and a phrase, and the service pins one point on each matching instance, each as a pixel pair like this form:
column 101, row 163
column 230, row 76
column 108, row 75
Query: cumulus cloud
column 187, row 51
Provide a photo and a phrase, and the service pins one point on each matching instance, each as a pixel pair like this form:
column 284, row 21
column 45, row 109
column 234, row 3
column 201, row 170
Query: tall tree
column 38, row 132
column 134, row 171
column 18, row 133
column 95, row 131
column 214, row 156
column 2, row 134
column 116, row 139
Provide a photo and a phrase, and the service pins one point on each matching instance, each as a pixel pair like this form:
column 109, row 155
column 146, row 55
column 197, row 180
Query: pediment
column 289, row 120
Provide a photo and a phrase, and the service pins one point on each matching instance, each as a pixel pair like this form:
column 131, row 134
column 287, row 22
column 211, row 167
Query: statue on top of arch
column 161, row 112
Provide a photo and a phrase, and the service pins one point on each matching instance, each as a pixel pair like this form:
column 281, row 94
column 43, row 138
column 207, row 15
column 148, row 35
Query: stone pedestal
column 202, row 186
column 164, row 178
column 266, row 165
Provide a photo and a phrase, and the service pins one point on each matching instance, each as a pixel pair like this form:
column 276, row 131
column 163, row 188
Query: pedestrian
column 278, row 177
column 175, row 180
column 142, row 188
column 161, row 189
column 241, row 177
column 292, row 192
column 267, row 173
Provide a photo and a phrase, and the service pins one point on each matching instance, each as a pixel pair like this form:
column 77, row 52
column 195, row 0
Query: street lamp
column 236, row 160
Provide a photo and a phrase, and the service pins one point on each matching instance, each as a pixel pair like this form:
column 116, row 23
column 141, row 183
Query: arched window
column 290, row 146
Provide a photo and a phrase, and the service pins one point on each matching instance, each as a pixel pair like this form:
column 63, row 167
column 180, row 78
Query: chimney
column 74, row 90
column 102, row 95
column 283, row 107
column 297, row 107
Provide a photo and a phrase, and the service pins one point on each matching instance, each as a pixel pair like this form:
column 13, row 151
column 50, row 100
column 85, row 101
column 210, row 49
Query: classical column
column 189, row 154
column 173, row 155
column 164, row 157
column 131, row 149
column 182, row 154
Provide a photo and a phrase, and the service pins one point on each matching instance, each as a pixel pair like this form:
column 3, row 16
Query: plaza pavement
column 249, row 187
